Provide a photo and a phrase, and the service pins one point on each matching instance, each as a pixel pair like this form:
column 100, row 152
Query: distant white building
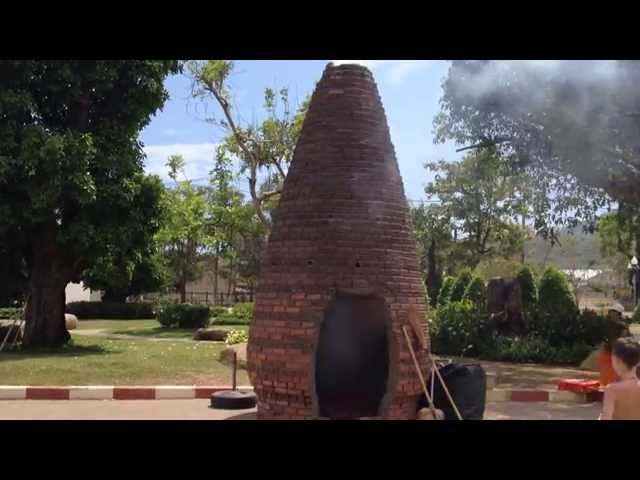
column 583, row 274
column 77, row 292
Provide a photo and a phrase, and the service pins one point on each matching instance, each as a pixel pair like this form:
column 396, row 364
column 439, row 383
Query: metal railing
column 206, row 298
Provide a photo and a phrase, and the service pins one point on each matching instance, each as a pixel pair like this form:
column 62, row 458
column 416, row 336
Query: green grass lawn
column 99, row 324
column 94, row 360
column 145, row 328
column 161, row 332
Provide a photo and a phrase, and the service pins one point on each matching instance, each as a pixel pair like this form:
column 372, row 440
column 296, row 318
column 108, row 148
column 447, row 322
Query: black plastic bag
column 467, row 385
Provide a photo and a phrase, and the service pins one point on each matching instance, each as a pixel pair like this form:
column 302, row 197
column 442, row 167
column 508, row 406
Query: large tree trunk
column 44, row 314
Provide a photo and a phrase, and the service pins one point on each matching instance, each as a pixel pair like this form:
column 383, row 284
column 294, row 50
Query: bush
column 636, row 315
column 445, row 292
column 461, row 284
column 557, row 319
column 536, row 350
column 476, row 293
column 184, row 315
column 594, row 328
column 457, row 329
column 218, row 311
column 10, row 313
column 240, row 314
column 236, row 336
column 243, row 312
column 108, row 310
column 528, row 288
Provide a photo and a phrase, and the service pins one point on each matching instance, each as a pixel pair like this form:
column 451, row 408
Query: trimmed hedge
column 557, row 317
column 109, row 310
column 462, row 328
column 243, row 312
column 184, row 315
column 10, row 313
column 457, row 328
column 460, row 286
column 536, row 350
column 476, row 292
column 528, row 288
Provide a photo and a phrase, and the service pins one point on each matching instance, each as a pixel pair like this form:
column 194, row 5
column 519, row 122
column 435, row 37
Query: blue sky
column 410, row 90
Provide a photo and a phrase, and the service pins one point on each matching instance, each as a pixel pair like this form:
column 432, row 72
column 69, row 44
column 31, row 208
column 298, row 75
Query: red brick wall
column 342, row 225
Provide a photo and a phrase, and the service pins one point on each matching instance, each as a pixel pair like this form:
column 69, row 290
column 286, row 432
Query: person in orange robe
column 605, row 366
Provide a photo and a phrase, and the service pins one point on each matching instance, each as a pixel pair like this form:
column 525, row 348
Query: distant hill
column 578, row 250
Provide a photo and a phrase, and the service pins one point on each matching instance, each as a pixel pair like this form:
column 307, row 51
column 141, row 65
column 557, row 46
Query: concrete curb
column 175, row 392
column 125, row 392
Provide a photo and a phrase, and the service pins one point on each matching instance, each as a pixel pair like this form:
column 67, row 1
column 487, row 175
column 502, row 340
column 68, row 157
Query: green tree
column 142, row 272
column 445, row 292
column 476, row 292
column 434, row 244
column 571, row 124
column 71, row 173
column 233, row 223
column 460, row 285
column 619, row 237
column 482, row 198
column 133, row 266
column 265, row 149
column 185, row 235
column 558, row 312
column 528, row 288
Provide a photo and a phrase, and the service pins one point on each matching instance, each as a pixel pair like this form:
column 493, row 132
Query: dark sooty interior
column 352, row 359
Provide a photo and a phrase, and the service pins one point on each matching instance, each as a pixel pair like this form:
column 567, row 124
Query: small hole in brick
column 309, row 263
column 357, row 264
column 330, row 215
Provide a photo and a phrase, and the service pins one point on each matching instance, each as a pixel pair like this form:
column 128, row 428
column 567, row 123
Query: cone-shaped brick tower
column 340, row 275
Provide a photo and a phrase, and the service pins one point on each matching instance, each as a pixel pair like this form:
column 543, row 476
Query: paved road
column 198, row 410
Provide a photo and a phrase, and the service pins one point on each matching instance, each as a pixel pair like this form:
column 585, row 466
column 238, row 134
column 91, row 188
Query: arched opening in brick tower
column 352, row 357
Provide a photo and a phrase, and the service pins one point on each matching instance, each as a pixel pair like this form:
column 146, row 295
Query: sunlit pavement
column 116, row 410
column 541, row 411
column 198, row 410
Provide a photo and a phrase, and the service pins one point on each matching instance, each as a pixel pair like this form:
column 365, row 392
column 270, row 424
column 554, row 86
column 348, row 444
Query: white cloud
column 395, row 71
column 199, row 158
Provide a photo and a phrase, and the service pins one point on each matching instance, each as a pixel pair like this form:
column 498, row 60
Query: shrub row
column 557, row 332
column 460, row 328
column 241, row 314
column 184, row 315
column 10, row 313
column 108, row 310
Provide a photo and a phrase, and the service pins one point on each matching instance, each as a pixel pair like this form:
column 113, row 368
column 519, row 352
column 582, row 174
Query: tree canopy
column 568, row 120
column 264, row 148
column 71, row 171
column 480, row 200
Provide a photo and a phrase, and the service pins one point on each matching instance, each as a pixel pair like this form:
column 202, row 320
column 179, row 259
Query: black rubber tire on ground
column 233, row 400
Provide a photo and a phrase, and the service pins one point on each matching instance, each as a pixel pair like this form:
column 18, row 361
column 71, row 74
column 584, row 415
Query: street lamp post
column 634, row 279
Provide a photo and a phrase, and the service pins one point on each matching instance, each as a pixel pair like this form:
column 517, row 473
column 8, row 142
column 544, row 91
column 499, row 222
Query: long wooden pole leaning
column 417, row 365
column 444, row 386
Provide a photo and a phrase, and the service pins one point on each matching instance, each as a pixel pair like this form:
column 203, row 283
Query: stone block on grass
column 70, row 321
column 210, row 334
column 226, row 356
